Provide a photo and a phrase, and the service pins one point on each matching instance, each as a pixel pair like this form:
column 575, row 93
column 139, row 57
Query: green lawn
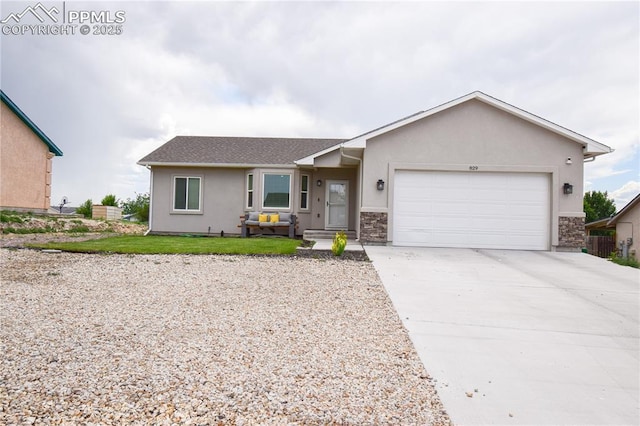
column 155, row 244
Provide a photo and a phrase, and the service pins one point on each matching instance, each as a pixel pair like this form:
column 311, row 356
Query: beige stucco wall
column 474, row 134
column 224, row 198
column 330, row 159
column 25, row 165
column 628, row 226
column 222, row 201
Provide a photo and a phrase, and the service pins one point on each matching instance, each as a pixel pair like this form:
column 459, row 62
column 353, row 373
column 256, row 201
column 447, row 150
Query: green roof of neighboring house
column 26, row 120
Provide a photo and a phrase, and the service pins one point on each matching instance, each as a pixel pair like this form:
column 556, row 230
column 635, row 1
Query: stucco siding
column 224, row 198
column 331, row 159
column 25, row 165
column 474, row 136
column 628, row 226
column 222, row 201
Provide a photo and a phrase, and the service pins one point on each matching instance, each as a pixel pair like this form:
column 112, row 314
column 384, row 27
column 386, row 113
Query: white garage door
column 471, row 210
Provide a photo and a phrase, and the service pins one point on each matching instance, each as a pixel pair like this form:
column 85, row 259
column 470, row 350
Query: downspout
column 150, row 198
column 359, row 160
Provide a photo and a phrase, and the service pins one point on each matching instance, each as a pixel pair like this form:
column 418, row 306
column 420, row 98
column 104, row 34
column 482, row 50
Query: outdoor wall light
column 568, row 162
column 567, row 188
column 380, row 185
column 319, row 182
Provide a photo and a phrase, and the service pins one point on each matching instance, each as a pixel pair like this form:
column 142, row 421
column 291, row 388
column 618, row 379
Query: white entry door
column 337, row 205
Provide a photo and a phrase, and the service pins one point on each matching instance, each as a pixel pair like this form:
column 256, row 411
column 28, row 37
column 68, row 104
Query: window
column 250, row 190
column 304, row 192
column 276, row 191
column 186, row 193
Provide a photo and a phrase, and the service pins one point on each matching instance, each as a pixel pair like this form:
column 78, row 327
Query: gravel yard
column 204, row 340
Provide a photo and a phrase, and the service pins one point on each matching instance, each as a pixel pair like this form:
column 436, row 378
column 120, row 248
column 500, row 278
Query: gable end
column 30, row 124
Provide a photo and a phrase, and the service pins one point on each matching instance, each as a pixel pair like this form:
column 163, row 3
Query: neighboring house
column 475, row 172
column 64, row 210
column 627, row 225
column 26, row 155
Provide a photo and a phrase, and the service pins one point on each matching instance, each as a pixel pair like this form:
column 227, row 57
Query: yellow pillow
column 275, row 218
column 263, row 218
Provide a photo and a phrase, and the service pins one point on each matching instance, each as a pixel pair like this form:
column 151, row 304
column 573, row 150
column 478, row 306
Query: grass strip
column 156, row 244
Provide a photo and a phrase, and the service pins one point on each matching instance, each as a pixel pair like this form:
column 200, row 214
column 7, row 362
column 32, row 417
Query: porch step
column 320, row 234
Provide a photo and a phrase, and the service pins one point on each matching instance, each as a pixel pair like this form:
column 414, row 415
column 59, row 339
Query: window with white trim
column 250, row 190
column 304, row 192
column 186, row 193
column 276, row 191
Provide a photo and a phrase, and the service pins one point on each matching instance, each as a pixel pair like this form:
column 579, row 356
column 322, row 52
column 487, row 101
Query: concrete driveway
column 516, row 337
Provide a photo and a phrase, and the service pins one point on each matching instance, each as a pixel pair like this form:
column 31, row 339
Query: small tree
column 138, row 207
column 142, row 212
column 109, row 200
column 597, row 205
column 86, row 208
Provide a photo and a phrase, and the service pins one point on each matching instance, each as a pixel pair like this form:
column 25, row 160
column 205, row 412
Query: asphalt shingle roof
column 236, row 150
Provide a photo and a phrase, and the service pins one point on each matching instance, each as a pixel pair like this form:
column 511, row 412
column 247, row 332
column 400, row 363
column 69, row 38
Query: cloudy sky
column 316, row 69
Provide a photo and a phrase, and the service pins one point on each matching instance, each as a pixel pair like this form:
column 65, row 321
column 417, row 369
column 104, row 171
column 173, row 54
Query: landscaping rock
column 163, row 339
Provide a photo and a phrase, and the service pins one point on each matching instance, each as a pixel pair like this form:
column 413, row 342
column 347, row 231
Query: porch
column 321, row 234
column 332, row 203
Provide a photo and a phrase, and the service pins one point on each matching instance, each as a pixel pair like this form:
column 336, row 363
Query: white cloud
column 625, row 193
column 324, row 69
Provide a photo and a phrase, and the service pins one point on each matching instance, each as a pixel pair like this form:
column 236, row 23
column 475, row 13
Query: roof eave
column 30, row 124
column 310, row 159
column 624, row 210
column 215, row 165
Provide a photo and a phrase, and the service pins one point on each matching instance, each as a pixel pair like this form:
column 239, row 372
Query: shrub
column 629, row 261
column 142, row 212
column 138, row 207
column 339, row 243
column 11, row 230
column 109, row 200
column 86, row 208
column 6, row 217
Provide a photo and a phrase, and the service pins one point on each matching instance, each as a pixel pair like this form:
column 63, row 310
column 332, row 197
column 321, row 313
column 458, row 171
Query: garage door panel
column 480, row 210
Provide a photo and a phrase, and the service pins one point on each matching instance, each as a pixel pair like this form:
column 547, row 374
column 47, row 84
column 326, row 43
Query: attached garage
column 492, row 210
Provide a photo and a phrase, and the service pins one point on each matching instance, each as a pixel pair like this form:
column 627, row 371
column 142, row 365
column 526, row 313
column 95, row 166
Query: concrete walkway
column 516, row 337
column 325, row 244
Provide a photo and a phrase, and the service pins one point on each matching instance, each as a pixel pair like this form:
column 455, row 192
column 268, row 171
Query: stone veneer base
column 571, row 234
column 373, row 227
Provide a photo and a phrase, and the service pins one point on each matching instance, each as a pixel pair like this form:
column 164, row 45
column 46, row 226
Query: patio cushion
column 274, row 218
column 285, row 217
column 263, row 218
column 281, row 223
column 252, row 222
column 253, row 216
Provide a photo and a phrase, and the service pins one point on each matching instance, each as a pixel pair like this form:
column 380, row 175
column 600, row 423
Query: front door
column 337, row 205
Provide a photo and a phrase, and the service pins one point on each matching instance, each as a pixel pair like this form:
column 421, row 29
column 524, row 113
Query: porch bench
column 252, row 221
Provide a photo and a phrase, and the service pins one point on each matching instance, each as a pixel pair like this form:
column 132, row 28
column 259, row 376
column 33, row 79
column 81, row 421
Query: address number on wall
column 473, row 168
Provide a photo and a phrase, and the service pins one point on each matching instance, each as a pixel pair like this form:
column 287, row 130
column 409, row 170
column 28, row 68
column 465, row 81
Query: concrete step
column 320, row 234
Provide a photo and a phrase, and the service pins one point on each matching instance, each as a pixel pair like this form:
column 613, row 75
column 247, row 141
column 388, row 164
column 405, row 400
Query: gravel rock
column 177, row 339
